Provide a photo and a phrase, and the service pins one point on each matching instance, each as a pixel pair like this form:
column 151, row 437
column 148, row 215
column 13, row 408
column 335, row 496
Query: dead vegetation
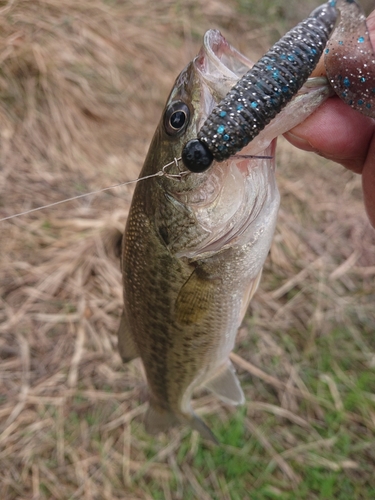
column 82, row 85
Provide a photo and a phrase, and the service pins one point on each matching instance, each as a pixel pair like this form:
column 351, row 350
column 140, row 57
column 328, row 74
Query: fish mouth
column 219, row 66
column 234, row 202
column 235, row 192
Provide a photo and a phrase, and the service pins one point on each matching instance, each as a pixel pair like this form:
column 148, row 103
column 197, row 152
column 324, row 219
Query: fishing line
column 160, row 173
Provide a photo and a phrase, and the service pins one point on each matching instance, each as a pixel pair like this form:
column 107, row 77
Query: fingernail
column 299, row 142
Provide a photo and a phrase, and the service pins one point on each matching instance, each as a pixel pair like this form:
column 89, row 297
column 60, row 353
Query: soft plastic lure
column 273, row 81
column 350, row 60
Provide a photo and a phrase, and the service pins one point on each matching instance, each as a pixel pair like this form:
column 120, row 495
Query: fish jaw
column 232, row 215
column 219, row 66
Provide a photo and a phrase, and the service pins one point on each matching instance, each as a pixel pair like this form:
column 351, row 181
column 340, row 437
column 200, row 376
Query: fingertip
column 299, row 141
column 337, row 132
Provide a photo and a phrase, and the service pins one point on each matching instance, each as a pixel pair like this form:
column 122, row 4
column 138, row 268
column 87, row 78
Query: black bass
column 195, row 243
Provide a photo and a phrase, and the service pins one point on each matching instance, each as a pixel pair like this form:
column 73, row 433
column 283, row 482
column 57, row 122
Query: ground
column 82, row 86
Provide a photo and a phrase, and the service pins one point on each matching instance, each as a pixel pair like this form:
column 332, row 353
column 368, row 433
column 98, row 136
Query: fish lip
column 222, row 55
column 219, row 66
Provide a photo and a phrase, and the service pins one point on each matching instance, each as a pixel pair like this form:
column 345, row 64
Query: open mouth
column 220, row 66
column 237, row 193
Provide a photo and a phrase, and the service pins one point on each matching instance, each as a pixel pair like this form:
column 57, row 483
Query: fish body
column 195, row 244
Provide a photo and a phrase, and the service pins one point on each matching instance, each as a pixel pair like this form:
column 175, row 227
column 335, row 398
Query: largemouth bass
column 195, row 243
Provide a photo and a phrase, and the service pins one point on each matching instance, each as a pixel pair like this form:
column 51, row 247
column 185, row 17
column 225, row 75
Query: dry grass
column 82, row 85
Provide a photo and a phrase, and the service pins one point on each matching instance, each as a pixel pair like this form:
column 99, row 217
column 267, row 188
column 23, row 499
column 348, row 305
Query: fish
column 194, row 245
column 195, row 242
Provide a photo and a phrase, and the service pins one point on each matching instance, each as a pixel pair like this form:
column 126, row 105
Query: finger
column 370, row 21
column 337, row 132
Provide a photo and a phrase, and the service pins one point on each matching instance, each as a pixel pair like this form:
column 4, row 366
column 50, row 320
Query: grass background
column 82, row 87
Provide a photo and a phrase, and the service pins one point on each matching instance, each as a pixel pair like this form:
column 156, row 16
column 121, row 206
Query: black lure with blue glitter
column 264, row 90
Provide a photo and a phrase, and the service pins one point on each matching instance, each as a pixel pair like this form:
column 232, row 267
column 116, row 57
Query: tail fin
column 159, row 419
column 203, row 429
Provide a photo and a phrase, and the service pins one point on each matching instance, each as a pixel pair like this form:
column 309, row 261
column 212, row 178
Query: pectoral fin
column 252, row 288
column 126, row 346
column 226, row 385
column 195, row 297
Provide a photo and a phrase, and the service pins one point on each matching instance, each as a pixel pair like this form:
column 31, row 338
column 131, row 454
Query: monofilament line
column 160, row 173
column 79, row 196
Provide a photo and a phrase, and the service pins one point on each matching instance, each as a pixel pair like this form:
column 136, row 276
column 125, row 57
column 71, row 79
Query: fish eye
column 176, row 118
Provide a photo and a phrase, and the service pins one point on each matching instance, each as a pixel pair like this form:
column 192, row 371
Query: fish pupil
column 177, row 120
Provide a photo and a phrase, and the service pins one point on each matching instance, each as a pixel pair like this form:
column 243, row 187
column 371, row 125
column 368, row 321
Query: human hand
column 341, row 134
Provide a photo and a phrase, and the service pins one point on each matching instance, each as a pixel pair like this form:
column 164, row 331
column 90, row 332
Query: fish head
column 197, row 90
column 233, row 201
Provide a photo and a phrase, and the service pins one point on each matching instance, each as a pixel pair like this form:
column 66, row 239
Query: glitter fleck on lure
column 350, row 59
column 273, row 81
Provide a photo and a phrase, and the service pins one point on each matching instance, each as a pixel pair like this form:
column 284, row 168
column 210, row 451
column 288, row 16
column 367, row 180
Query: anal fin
column 226, row 385
column 126, row 346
